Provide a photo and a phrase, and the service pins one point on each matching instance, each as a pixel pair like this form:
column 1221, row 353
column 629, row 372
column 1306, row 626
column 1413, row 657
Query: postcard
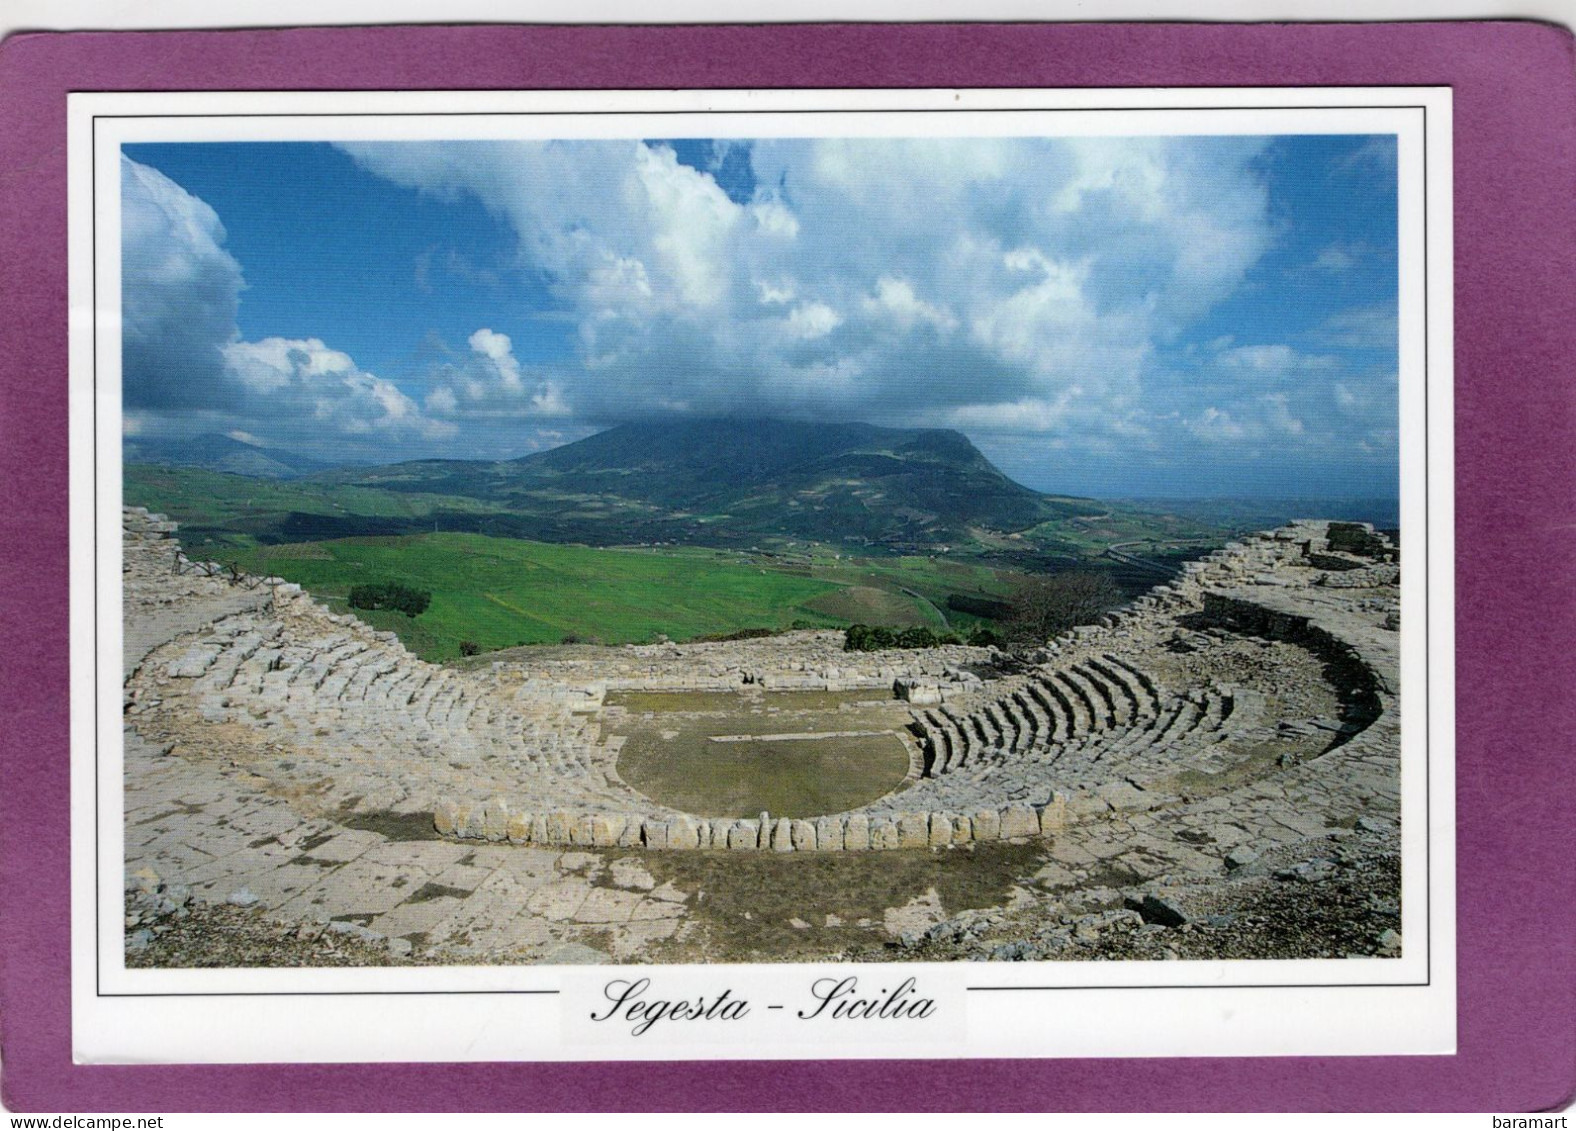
column 762, row 574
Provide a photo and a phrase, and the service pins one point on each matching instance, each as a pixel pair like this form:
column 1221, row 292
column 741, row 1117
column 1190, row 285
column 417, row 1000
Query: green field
column 501, row 592
column 554, row 566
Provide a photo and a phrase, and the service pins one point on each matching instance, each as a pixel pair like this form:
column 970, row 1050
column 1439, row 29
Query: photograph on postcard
column 708, row 539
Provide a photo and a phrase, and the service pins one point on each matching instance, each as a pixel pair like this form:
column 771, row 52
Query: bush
column 737, row 634
column 469, row 648
column 389, row 595
column 875, row 638
column 991, row 608
column 1044, row 607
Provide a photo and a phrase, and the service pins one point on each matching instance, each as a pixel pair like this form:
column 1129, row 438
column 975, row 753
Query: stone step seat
column 1054, row 704
column 1144, row 685
column 1039, row 723
column 1107, row 699
column 1099, row 713
column 1137, row 701
column 1021, row 734
column 1080, row 710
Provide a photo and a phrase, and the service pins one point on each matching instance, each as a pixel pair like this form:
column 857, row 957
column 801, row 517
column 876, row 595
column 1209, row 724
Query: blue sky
column 1171, row 316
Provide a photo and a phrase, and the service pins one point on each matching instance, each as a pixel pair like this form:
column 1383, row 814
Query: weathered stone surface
column 1241, row 857
column 1053, row 817
column 472, row 820
column 940, row 832
column 804, row 838
column 987, row 824
column 829, row 834
column 495, row 819
column 856, row 833
column 558, row 827
column 782, row 835
column 683, row 833
column 606, row 828
column 445, row 817
column 884, row 833
column 1019, row 820
column 519, row 830
column 913, row 830
column 655, row 832
column 744, row 835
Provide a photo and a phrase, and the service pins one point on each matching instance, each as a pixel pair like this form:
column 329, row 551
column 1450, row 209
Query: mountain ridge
column 730, row 477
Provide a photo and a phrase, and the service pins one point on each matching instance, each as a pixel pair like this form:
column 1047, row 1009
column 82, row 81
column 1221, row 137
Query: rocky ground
column 1335, row 899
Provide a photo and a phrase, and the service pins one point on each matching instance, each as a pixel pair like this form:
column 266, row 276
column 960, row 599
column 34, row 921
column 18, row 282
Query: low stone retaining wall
column 495, row 820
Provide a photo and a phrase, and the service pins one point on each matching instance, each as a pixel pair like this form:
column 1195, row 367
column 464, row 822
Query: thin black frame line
column 1209, row 986
column 1428, row 660
column 710, row 113
column 1179, row 88
column 98, row 932
column 340, row 993
column 1427, row 742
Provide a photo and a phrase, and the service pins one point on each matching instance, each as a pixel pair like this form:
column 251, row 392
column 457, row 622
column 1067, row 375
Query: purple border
column 1515, row 193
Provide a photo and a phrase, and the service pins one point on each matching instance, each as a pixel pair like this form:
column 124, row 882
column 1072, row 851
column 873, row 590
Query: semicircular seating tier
column 1132, row 713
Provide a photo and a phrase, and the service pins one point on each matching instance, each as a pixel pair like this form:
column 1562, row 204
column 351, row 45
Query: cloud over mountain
column 1017, row 282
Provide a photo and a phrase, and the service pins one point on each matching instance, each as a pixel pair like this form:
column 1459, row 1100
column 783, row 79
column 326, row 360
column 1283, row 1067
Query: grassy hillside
column 501, row 592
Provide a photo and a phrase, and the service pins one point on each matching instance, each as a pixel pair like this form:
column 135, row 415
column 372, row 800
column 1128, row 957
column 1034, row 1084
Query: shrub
column 874, row 638
column 469, row 648
column 992, row 608
column 1044, row 607
column 390, row 595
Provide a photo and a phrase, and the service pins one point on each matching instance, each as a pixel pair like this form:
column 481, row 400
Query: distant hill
column 1263, row 513
column 212, row 451
column 722, row 481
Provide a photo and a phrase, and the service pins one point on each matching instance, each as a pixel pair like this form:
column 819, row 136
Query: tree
column 1047, row 606
column 390, row 595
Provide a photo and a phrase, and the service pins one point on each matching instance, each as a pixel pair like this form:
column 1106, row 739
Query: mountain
column 212, row 451
column 723, row 481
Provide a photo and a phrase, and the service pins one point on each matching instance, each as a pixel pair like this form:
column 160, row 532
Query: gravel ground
column 1334, row 898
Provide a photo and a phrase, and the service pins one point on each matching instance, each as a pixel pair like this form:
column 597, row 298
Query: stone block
column 682, row 834
column 987, row 825
column 558, row 826
column 654, row 832
column 940, row 830
column 606, row 828
column 1053, row 817
column 782, row 835
column 744, row 836
column 804, row 836
column 913, row 830
column 630, row 836
column 829, row 834
column 962, row 828
column 1019, row 820
column 520, row 828
column 445, row 817
column 471, row 820
column 582, row 831
column 856, row 833
column 495, row 819
column 884, row 833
